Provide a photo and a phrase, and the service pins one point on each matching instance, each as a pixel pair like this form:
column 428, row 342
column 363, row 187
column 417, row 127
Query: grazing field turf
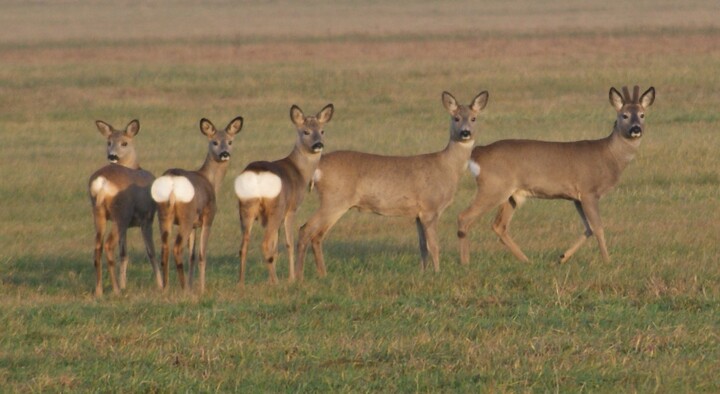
column 647, row 321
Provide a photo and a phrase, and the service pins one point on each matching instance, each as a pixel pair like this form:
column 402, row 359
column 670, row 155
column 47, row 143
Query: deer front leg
column 501, row 227
column 422, row 240
column 587, row 234
column 290, row 244
column 591, row 206
column 429, row 223
column 481, row 204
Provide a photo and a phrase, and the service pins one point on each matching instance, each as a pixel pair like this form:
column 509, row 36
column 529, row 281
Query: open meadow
column 647, row 321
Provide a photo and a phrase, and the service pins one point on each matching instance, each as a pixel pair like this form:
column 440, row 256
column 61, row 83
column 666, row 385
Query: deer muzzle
column 635, row 131
column 465, row 134
column 318, row 147
column 224, row 156
column 113, row 158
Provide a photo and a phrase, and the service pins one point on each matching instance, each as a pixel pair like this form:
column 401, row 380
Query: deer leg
column 501, row 225
column 248, row 214
column 182, row 236
column 290, row 244
column 100, row 223
column 165, row 219
column 191, row 252
column 587, row 234
column 591, row 206
column 270, row 245
column 313, row 232
column 150, row 250
column 429, row 224
column 122, row 242
column 204, row 237
column 480, row 205
column 422, row 240
column 110, row 243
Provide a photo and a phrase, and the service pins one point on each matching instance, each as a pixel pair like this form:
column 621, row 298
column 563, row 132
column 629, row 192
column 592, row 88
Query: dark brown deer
column 120, row 193
column 188, row 199
column 273, row 191
column 508, row 171
column 419, row 186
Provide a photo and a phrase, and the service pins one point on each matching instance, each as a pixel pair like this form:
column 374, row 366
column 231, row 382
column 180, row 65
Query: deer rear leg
column 100, row 223
column 248, row 215
column 202, row 263
column 270, row 253
column 191, row 251
column 180, row 241
column 122, row 243
column 150, row 250
column 165, row 220
column 501, row 227
column 110, row 244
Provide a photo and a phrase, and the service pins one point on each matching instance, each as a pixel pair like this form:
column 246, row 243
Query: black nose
column 224, row 155
column 318, row 146
column 465, row 133
column 113, row 157
column 635, row 130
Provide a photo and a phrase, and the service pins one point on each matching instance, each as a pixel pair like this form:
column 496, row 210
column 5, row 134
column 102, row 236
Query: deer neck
column 457, row 153
column 130, row 161
column 622, row 149
column 214, row 171
column 306, row 163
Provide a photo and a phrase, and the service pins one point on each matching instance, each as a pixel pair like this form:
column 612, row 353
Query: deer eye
column 642, row 116
column 625, row 116
column 457, row 118
column 229, row 142
column 109, row 143
column 216, row 143
column 473, row 119
column 124, row 144
column 322, row 132
column 306, row 132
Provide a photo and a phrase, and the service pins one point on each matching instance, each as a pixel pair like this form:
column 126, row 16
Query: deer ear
column 104, row 128
column 648, row 97
column 449, row 102
column 616, row 99
column 480, row 101
column 234, row 126
column 297, row 116
column 132, row 128
column 325, row 114
column 207, row 128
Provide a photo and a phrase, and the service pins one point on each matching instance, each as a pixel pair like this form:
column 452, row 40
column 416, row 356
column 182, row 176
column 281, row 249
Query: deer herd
column 421, row 187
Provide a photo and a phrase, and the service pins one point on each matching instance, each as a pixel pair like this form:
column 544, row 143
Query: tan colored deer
column 188, row 199
column 419, row 186
column 508, row 171
column 273, row 191
column 120, row 192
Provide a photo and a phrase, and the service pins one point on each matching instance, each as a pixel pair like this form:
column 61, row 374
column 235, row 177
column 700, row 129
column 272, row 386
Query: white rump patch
column 169, row 185
column 251, row 184
column 474, row 168
column 101, row 188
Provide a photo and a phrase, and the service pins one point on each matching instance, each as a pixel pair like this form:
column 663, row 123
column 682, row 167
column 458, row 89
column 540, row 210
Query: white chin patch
column 249, row 185
column 635, row 135
column 474, row 168
column 169, row 185
column 113, row 161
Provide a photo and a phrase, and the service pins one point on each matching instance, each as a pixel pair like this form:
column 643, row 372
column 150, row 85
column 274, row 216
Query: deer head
column 220, row 142
column 310, row 128
column 630, row 121
column 120, row 146
column 462, row 122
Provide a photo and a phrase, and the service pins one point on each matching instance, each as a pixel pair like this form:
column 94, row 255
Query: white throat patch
column 474, row 168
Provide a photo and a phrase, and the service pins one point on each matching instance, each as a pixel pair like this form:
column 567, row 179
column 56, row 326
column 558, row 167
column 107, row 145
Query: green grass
column 645, row 322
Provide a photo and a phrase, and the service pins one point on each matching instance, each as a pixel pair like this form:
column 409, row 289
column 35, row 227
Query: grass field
column 648, row 321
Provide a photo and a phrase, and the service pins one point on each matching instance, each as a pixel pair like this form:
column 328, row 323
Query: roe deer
column 188, row 199
column 120, row 192
column 419, row 186
column 508, row 171
column 273, row 191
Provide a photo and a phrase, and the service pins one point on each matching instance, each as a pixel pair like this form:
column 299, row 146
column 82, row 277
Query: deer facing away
column 188, row 199
column 120, row 193
column 273, row 191
column 419, row 186
column 508, row 171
